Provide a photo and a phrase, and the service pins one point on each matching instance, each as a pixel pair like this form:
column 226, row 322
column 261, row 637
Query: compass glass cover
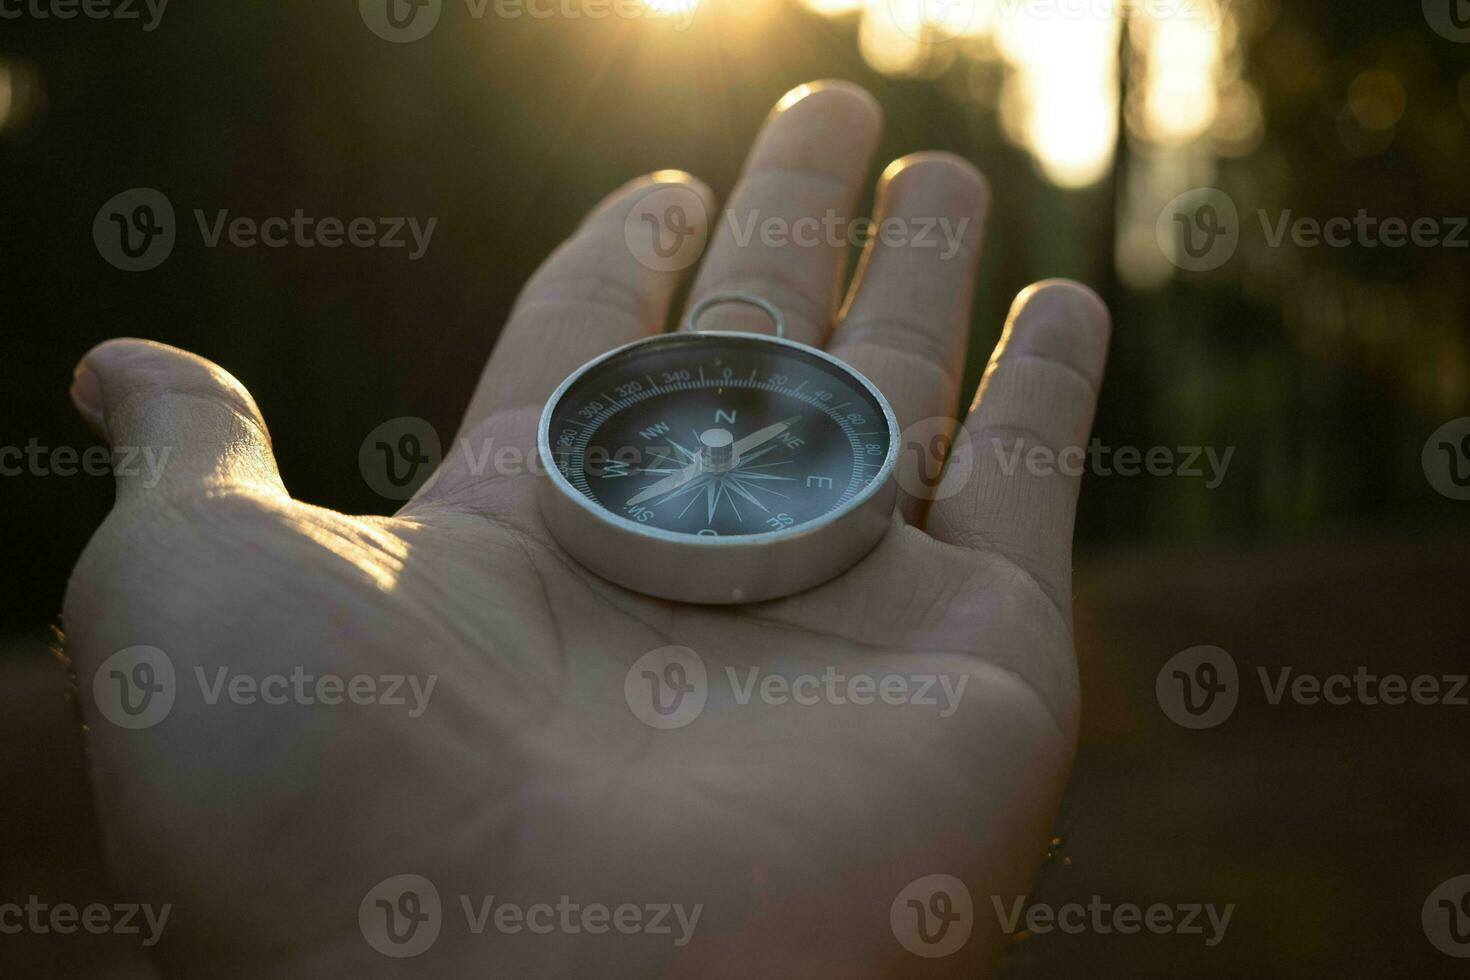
column 717, row 435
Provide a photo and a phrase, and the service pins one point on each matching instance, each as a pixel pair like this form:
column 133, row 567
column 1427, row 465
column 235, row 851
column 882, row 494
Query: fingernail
column 86, row 394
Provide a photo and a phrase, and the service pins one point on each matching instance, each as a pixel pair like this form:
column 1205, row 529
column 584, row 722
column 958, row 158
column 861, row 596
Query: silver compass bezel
column 729, row 568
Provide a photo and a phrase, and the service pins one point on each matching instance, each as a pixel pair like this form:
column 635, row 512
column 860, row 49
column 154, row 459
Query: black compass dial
column 719, row 434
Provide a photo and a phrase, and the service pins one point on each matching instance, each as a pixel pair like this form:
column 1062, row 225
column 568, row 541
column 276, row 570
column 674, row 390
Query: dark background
column 1327, row 369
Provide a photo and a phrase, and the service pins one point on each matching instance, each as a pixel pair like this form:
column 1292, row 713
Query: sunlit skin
column 528, row 777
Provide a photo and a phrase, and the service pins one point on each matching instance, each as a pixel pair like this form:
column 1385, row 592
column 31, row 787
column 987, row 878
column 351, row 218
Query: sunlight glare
column 1062, row 100
column 1182, row 76
column 891, row 42
column 670, row 8
column 938, row 18
column 833, row 8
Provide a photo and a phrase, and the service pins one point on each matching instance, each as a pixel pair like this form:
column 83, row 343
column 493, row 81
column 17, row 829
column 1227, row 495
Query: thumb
column 177, row 424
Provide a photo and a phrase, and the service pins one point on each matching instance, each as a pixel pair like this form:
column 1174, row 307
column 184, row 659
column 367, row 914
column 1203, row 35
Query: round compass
column 717, row 467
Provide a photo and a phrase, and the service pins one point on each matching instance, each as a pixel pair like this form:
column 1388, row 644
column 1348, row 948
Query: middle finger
column 783, row 235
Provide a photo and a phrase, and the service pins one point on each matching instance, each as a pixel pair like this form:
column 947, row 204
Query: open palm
column 913, row 717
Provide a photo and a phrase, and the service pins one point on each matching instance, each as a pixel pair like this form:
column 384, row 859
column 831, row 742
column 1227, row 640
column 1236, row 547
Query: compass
column 717, row 467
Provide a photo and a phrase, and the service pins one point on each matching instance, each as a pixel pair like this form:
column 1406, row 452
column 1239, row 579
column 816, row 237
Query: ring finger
column 907, row 324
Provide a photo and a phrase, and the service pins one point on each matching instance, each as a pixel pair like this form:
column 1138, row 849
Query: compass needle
column 765, row 476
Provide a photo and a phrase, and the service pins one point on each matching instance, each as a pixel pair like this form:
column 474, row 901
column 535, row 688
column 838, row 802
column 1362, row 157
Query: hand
column 527, row 777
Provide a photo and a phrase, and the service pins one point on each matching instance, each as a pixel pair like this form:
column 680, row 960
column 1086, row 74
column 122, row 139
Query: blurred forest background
column 1326, row 368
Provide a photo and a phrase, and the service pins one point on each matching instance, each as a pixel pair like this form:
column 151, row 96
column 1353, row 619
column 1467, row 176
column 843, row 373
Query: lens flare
column 833, row 8
column 891, row 42
column 1061, row 102
column 671, row 8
